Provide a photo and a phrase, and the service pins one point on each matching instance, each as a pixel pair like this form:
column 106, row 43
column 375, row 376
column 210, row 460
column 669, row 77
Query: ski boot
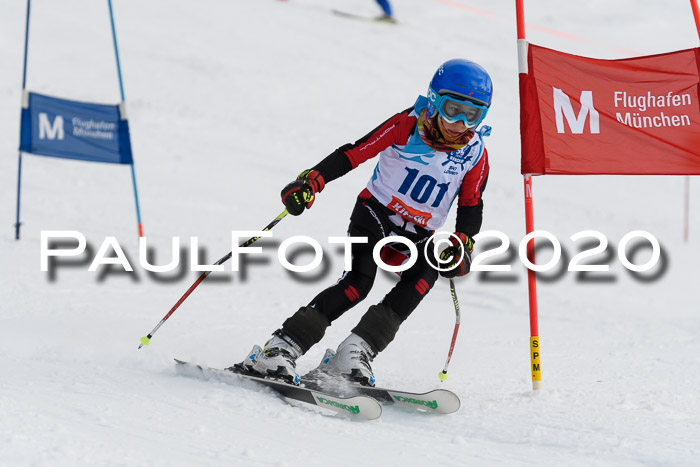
column 351, row 362
column 277, row 359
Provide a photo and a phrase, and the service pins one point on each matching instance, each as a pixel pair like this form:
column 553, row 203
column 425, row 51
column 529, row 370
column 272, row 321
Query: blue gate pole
column 121, row 90
column 24, row 85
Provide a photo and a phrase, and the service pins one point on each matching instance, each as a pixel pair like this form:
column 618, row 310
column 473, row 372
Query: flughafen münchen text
column 644, row 103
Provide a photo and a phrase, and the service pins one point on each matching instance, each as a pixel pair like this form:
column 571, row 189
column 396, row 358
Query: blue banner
column 74, row 130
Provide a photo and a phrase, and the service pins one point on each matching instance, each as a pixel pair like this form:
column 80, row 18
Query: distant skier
column 429, row 156
column 387, row 13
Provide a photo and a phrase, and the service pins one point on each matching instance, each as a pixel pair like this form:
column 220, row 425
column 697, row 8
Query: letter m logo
column 47, row 130
column 563, row 109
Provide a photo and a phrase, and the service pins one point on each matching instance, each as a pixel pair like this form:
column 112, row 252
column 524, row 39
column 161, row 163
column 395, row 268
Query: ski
column 356, row 407
column 438, row 401
column 378, row 19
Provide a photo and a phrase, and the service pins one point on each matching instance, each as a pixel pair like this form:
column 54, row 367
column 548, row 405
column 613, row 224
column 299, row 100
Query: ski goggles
column 452, row 110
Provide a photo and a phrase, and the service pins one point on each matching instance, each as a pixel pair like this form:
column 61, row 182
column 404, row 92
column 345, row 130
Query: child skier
column 429, row 155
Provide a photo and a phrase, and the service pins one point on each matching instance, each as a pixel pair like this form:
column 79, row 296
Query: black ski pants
column 379, row 324
column 370, row 219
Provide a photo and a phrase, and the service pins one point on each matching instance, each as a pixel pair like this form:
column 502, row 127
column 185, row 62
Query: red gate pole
column 529, row 220
column 686, row 217
column 696, row 14
column 686, row 214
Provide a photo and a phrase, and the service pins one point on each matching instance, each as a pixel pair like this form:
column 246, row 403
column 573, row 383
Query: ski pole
column 443, row 374
column 146, row 340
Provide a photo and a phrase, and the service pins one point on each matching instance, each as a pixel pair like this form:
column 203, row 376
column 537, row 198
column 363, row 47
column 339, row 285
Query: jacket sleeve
column 395, row 130
column 470, row 206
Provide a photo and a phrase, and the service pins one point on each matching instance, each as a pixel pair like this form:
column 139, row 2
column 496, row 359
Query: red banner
column 639, row 115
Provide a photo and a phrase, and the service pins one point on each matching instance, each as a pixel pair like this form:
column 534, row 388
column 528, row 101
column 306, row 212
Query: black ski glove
column 453, row 253
column 301, row 193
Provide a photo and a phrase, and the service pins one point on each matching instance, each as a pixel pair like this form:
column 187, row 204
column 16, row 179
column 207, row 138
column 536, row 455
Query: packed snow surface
column 230, row 100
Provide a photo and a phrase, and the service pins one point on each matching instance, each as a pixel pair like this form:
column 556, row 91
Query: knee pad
column 306, row 327
column 378, row 326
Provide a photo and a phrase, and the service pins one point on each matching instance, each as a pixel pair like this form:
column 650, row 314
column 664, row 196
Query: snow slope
column 229, row 100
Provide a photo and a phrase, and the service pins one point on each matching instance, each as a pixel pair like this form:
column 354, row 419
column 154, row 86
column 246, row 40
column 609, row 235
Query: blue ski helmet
column 460, row 82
